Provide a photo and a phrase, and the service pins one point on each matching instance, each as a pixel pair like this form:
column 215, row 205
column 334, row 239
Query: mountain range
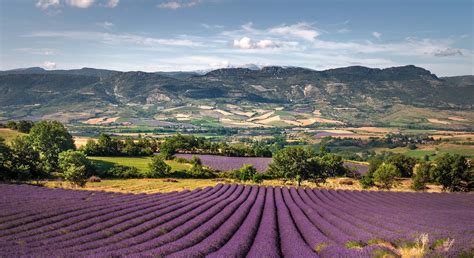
column 368, row 92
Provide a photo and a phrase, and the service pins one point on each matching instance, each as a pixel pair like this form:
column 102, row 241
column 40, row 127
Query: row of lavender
column 228, row 220
column 223, row 163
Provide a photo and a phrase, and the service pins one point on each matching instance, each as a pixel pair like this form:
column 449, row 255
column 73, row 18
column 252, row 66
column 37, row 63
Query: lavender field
column 230, row 221
column 224, row 163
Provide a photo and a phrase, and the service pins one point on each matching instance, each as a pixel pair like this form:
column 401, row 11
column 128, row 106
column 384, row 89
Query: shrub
column 195, row 160
column 158, row 168
column 76, row 175
column 246, row 172
column 385, row 175
column 367, row 180
column 75, row 167
column 198, row 171
column 181, row 160
column 257, row 178
column 421, row 176
column 124, row 172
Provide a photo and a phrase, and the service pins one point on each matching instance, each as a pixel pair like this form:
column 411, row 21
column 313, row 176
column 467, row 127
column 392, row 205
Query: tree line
column 48, row 151
column 454, row 173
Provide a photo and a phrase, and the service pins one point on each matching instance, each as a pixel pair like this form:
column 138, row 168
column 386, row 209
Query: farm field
column 234, row 220
column 221, row 163
column 433, row 150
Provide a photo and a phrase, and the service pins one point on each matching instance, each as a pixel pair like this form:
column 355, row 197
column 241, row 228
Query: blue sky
column 170, row 35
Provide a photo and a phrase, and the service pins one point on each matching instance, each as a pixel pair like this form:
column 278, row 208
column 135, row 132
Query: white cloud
column 80, row 3
column 106, row 25
column 116, row 39
column 45, row 4
column 448, row 52
column 173, row 5
column 49, row 65
column 244, row 43
column 377, row 34
column 247, row 43
column 112, row 3
column 300, row 30
column 266, row 43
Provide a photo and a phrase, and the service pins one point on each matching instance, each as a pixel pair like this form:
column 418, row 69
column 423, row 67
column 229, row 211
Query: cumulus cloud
column 45, row 4
column 112, row 3
column 244, row 43
column 173, row 5
column 49, row 65
column 80, row 3
column 447, row 52
column 377, row 34
column 247, row 43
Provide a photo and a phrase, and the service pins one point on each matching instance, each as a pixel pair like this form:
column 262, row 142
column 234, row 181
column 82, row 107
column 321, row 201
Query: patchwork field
column 220, row 163
column 234, row 221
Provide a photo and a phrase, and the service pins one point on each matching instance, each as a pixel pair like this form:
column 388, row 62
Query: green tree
column 404, row 164
column 421, row 176
column 26, row 161
column 332, row 165
column 385, row 175
column 158, row 167
column 453, row 172
column 107, row 146
column 5, row 159
column 130, row 148
column 295, row 163
column 91, row 148
column 24, row 126
column 167, row 149
column 50, row 138
column 75, row 167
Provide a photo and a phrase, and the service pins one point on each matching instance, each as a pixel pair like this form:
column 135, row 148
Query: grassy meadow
column 141, row 163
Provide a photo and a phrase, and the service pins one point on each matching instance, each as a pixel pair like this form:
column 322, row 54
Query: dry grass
column 9, row 134
column 456, row 118
column 80, row 141
column 163, row 185
column 437, row 121
column 101, row 120
column 139, row 185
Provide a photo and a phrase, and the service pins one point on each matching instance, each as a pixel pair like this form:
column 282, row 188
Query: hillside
column 353, row 95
